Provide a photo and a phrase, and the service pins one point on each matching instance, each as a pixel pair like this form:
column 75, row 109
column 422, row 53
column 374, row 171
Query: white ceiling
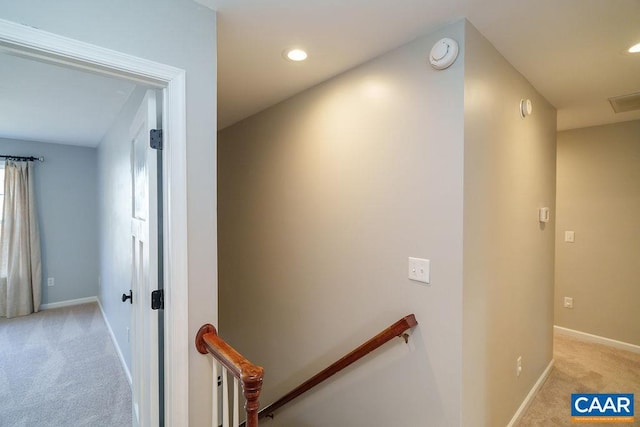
column 572, row 51
column 50, row 103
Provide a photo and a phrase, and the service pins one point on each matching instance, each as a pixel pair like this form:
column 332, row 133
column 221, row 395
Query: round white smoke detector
column 443, row 53
column 526, row 107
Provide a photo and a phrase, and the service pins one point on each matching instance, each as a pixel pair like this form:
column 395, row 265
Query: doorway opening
column 42, row 46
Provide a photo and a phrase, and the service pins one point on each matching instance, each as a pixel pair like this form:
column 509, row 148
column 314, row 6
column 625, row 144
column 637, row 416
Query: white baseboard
column 597, row 339
column 532, row 393
column 68, row 303
column 115, row 344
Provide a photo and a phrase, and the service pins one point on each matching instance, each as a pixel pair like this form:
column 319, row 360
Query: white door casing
column 44, row 46
column 144, row 251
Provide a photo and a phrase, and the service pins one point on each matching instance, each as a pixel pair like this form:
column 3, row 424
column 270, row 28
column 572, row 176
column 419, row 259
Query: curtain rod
column 29, row 158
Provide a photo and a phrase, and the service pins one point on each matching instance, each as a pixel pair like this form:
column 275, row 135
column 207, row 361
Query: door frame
column 40, row 45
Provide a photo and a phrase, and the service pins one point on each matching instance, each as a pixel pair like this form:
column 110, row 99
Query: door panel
column 144, row 223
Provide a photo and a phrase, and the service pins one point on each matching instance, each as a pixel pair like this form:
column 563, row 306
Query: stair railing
column 227, row 360
column 398, row 329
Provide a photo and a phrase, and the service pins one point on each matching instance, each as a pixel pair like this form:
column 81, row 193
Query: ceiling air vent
column 623, row 103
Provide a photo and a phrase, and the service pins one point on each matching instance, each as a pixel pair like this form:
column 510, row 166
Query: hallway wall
column 599, row 199
column 322, row 199
column 324, row 196
column 509, row 173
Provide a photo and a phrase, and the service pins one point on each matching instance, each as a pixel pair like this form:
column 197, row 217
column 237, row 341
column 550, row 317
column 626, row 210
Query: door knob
column 128, row 297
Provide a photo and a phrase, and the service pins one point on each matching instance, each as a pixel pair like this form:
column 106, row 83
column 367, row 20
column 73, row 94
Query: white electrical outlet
column 419, row 270
column 518, row 366
column 51, row 281
column 570, row 236
column 568, row 302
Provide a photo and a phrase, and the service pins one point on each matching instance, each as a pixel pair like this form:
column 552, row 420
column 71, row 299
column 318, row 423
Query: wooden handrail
column 250, row 375
column 396, row 330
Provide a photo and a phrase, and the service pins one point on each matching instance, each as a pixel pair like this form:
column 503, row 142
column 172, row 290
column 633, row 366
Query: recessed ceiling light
column 634, row 48
column 295, row 54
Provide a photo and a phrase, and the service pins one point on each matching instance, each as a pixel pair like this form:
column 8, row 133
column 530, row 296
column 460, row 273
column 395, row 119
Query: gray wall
column 65, row 186
column 509, row 172
column 322, row 199
column 599, row 199
column 183, row 34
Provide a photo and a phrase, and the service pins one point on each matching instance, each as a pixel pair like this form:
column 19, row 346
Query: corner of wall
column 509, row 172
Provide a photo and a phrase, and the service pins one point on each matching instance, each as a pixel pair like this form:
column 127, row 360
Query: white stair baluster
column 214, row 395
column 236, row 403
column 225, row 398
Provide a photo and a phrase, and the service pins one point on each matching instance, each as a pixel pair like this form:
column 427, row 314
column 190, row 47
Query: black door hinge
column 156, row 139
column 157, row 299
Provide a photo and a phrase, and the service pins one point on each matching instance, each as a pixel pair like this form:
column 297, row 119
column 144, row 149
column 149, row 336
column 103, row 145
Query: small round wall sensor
column 443, row 53
column 526, row 107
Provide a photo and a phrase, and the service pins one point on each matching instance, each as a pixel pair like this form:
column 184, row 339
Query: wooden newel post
column 251, row 387
column 250, row 375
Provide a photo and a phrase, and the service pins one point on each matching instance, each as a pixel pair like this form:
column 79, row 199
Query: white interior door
column 144, row 221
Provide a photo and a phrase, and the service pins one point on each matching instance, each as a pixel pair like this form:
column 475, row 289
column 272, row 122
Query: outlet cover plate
column 568, row 302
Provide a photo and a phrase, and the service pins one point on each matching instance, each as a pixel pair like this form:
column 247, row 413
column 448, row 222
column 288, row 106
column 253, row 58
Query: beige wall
column 599, row 199
column 321, row 201
column 509, row 172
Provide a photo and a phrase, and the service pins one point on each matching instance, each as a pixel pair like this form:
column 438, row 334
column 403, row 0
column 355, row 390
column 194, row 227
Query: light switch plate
column 569, row 236
column 419, row 270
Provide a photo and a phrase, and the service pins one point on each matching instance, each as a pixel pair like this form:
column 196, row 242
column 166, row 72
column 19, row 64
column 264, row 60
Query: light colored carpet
column 583, row 367
column 59, row 368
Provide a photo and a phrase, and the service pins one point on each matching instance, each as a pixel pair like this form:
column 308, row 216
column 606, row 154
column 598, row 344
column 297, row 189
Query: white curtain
column 20, row 264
